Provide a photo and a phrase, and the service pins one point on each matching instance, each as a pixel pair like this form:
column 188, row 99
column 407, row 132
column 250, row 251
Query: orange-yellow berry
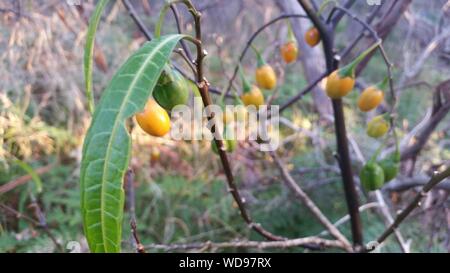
column 289, row 51
column 370, row 98
column 154, row 120
column 312, row 37
column 265, row 77
column 338, row 87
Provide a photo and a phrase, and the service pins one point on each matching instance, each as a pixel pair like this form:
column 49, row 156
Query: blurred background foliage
column 181, row 195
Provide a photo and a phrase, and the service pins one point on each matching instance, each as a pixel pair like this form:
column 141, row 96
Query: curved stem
column 178, row 21
column 339, row 16
column 193, row 40
column 324, row 5
column 164, row 11
column 369, row 20
column 250, row 41
column 183, row 55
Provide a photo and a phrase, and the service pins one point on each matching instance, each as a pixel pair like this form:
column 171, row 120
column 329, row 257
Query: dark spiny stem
column 232, row 188
column 351, row 196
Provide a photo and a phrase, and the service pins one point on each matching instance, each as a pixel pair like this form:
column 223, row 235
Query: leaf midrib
column 113, row 133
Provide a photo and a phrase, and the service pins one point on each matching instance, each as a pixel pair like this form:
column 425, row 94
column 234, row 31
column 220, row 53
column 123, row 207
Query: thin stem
column 137, row 20
column 299, row 242
column 163, row 13
column 435, row 179
column 6, row 187
column 353, row 17
column 39, row 224
column 369, row 20
column 19, row 215
column 131, row 200
column 324, row 5
column 178, row 21
column 303, row 92
column 186, row 59
column 312, row 207
column 250, row 41
column 374, row 34
column 43, row 222
column 339, row 16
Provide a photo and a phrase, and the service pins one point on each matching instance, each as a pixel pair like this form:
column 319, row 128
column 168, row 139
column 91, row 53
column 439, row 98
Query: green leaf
column 89, row 51
column 106, row 150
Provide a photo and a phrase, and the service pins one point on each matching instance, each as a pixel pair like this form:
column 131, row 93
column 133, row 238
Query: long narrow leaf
column 89, row 52
column 106, row 149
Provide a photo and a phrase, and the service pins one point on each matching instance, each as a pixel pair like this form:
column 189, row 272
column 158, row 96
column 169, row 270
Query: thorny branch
column 389, row 66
